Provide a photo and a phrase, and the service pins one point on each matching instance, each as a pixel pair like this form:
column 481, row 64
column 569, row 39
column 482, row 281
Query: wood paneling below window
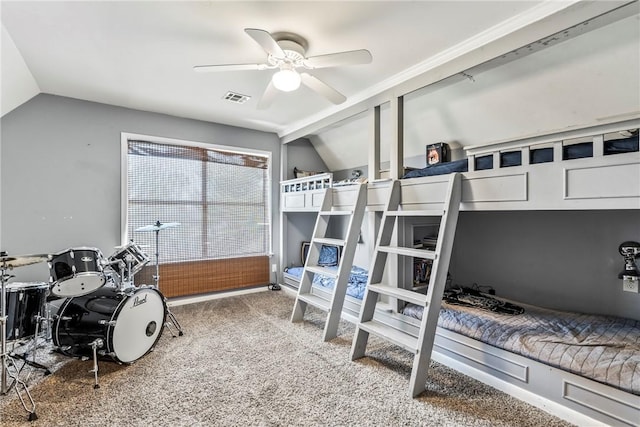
column 200, row 277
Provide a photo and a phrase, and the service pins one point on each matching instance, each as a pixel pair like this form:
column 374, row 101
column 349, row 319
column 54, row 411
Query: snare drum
column 129, row 324
column 132, row 255
column 76, row 272
column 25, row 303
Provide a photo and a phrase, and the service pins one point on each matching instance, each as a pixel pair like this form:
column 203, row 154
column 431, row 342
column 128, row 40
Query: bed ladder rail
column 421, row 346
column 354, row 214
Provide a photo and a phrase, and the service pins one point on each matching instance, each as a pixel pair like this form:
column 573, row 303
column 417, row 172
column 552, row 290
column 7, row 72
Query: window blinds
column 219, row 197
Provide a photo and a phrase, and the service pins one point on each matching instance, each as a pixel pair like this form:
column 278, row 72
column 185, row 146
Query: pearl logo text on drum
column 139, row 301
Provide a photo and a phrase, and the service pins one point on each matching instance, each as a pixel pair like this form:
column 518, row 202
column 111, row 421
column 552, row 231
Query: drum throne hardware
column 172, row 320
column 9, row 367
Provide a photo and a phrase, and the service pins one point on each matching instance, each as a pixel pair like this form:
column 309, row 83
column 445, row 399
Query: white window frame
column 124, row 168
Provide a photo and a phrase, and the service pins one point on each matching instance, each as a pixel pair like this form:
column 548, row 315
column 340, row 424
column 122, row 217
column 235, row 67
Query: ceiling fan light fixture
column 286, row 80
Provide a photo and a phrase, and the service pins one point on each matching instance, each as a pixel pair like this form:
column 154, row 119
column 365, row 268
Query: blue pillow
column 328, row 256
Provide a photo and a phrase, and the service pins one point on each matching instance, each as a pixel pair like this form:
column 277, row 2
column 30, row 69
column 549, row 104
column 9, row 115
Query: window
column 219, row 196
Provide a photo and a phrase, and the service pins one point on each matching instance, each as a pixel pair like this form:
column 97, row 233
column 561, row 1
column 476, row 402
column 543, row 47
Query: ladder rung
column 427, row 212
column 416, row 253
column 341, row 212
column 396, row 336
column 315, row 301
column 316, row 269
column 329, row 241
column 400, row 293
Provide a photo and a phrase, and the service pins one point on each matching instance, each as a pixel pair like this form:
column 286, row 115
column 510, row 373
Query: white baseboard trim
column 173, row 302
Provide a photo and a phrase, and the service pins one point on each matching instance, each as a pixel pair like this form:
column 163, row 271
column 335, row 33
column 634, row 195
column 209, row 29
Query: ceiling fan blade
column 267, row 42
column 352, row 57
column 267, row 97
column 322, row 88
column 229, row 67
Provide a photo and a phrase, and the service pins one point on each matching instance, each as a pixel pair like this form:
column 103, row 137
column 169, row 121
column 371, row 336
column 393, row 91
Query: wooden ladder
column 421, row 346
column 354, row 212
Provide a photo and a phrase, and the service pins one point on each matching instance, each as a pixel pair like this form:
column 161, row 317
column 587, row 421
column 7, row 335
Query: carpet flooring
column 241, row 362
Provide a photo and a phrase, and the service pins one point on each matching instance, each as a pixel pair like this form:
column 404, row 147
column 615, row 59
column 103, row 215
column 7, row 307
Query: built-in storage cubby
column 424, row 237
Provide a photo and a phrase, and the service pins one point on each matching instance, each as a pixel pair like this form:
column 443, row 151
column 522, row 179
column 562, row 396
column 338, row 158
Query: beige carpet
column 242, row 363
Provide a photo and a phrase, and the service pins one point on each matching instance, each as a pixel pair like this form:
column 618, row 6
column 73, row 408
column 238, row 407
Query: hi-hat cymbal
column 22, row 260
column 158, row 226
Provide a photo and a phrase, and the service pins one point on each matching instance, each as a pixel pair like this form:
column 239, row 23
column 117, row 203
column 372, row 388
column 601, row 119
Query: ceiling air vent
column 236, row 98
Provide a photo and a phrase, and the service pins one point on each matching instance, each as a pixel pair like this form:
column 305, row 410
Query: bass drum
column 129, row 324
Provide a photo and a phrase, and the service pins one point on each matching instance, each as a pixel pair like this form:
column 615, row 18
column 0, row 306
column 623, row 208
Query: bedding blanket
column 602, row 348
column 355, row 287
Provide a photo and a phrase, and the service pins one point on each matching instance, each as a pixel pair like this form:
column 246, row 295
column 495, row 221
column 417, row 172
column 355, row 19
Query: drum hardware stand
column 97, row 343
column 9, row 367
column 32, row 349
column 172, row 321
column 124, row 284
column 18, row 383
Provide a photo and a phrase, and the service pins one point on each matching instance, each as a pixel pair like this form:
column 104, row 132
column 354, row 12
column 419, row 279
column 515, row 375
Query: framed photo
column 437, row 153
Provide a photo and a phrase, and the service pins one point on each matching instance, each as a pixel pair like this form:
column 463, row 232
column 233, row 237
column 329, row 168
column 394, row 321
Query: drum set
column 90, row 308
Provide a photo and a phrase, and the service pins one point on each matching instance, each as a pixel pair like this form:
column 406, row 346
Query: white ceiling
column 140, row 54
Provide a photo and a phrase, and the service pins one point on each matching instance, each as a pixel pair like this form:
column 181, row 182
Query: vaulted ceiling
column 140, row 54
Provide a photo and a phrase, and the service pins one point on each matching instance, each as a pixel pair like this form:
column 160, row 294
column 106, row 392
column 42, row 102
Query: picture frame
column 437, row 153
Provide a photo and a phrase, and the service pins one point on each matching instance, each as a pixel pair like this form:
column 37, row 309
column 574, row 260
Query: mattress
column 537, row 155
column 355, row 287
column 602, row 348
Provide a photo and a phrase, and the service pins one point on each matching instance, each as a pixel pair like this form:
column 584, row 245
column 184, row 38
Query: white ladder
column 421, row 346
column 354, row 212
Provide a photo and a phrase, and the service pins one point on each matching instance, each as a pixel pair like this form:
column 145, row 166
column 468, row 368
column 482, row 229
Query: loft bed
column 594, row 167
column 590, row 168
column 304, row 193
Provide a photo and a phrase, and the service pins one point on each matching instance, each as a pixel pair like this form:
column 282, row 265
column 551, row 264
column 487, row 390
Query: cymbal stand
column 9, row 367
column 171, row 322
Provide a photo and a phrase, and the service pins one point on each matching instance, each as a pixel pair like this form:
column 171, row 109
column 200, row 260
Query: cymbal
column 124, row 246
column 158, row 226
column 22, row 260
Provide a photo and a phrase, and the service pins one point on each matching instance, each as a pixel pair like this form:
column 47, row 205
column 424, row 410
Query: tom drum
column 76, row 272
column 130, row 256
column 25, row 303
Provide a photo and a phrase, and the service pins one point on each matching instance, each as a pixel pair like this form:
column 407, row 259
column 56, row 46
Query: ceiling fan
column 286, row 53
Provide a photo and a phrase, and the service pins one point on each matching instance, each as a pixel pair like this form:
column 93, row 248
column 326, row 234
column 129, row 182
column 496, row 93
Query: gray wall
column 555, row 259
column 302, row 155
column 60, row 172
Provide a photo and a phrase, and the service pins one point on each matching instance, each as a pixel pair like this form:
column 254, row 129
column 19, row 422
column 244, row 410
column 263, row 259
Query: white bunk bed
column 606, row 179
column 304, row 195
